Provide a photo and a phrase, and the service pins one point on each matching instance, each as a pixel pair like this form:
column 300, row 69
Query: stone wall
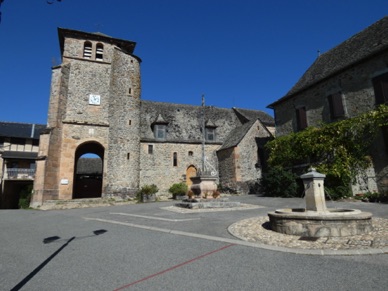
column 227, row 168
column 356, row 87
column 248, row 161
column 157, row 168
column 123, row 155
column 240, row 165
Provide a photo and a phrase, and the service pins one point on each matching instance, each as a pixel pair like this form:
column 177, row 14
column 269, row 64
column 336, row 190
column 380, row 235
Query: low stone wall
column 321, row 225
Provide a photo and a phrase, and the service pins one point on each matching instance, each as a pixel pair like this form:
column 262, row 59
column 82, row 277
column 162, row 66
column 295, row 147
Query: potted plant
column 147, row 193
column 178, row 189
column 216, row 194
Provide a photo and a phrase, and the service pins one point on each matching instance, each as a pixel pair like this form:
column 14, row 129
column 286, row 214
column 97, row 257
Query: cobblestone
column 257, row 230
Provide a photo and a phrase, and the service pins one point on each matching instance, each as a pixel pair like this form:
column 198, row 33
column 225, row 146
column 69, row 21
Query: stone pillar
column 314, row 191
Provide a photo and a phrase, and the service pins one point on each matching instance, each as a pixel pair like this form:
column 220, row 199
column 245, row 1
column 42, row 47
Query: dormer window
column 160, row 131
column 87, row 50
column 99, row 52
column 159, row 127
column 210, row 131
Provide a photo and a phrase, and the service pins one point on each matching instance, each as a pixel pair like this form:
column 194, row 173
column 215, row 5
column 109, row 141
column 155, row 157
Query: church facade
column 95, row 108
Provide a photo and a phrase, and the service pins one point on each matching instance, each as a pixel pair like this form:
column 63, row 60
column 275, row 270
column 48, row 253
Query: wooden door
column 190, row 172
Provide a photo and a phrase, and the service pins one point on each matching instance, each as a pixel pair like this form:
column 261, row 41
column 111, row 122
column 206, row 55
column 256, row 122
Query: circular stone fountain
column 316, row 220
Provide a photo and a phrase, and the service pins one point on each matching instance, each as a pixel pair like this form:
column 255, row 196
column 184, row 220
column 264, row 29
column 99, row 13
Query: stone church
column 95, row 109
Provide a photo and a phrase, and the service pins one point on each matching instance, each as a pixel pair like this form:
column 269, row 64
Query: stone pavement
column 257, row 230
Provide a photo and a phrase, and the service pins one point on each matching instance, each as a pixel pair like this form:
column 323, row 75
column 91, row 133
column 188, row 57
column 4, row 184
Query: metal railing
column 20, row 173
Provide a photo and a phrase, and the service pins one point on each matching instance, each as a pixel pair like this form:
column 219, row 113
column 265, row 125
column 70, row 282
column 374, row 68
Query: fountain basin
column 330, row 223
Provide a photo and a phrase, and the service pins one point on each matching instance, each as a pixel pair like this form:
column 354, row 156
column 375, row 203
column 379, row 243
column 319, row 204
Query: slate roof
column 21, row 130
column 19, row 155
column 249, row 114
column 185, row 121
column 236, row 135
column 89, row 166
column 365, row 44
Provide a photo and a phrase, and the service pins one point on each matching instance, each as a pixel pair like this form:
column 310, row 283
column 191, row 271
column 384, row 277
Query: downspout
column 32, row 131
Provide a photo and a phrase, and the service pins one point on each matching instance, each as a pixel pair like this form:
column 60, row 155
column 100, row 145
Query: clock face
column 94, row 99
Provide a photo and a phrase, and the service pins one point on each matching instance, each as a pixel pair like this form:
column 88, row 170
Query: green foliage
column 338, row 192
column 147, row 190
column 375, row 197
column 339, row 150
column 178, row 189
column 277, row 182
column 25, row 197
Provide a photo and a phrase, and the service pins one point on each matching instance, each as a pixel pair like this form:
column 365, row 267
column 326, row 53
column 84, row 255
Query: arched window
column 99, row 52
column 87, row 50
column 175, row 159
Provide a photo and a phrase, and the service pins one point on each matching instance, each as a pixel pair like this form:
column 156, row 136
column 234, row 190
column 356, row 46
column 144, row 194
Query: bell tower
column 94, row 108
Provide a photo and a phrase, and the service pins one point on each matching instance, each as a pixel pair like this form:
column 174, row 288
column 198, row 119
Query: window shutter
column 87, row 50
column 380, row 85
column 301, row 118
column 336, row 106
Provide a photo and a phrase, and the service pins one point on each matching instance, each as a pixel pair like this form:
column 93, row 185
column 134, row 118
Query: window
column 99, row 52
column 191, row 153
column 384, row 131
column 301, row 118
column 175, row 159
column 87, row 50
column 160, row 131
column 210, row 133
column 17, row 140
column 150, row 149
column 128, row 156
column 380, row 85
column 336, row 106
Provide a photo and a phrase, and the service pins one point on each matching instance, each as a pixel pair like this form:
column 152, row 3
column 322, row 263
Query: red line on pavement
column 173, row 267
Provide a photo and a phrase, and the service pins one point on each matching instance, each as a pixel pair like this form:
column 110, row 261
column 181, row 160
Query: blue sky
column 238, row 53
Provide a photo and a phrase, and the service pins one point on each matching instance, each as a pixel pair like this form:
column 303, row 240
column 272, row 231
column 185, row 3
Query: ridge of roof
column 249, row 114
column 364, row 44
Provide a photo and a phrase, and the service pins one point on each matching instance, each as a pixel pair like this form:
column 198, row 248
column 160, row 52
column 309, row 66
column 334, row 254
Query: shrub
column 340, row 149
column 178, row 189
column 25, row 197
column 147, row 190
column 338, row 192
column 277, row 182
column 216, row 194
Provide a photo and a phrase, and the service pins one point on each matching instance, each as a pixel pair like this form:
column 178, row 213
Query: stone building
column 348, row 80
column 95, row 108
column 19, row 143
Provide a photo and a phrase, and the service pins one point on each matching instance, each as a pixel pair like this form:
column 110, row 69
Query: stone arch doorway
column 88, row 170
column 191, row 171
